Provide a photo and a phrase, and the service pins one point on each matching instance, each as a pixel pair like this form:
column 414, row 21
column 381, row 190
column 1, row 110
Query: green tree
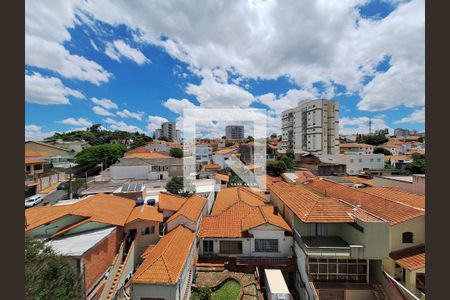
column 77, row 184
column 417, row 166
column 228, row 144
column 176, row 152
column 108, row 153
column 48, row 275
column 289, row 162
column 175, row 186
column 224, row 137
column 250, row 139
column 202, row 294
column 380, row 150
column 276, row 167
column 273, row 135
column 163, row 138
column 290, row 154
column 95, row 128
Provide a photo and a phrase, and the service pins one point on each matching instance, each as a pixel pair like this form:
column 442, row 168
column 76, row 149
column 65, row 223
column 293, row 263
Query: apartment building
column 234, row 132
column 203, row 153
column 355, row 163
column 401, row 132
column 168, row 130
column 311, row 127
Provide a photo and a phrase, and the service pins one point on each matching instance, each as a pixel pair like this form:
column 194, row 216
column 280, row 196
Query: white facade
column 139, row 172
column 265, row 231
column 312, row 126
column 203, row 153
column 355, row 163
column 221, row 158
column 158, row 146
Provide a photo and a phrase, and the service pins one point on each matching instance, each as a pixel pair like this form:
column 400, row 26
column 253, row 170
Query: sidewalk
column 50, row 189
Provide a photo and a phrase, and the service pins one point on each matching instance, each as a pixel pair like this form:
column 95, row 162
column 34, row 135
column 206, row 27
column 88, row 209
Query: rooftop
column 29, row 154
column 171, row 202
column 145, row 212
column 412, row 258
column 191, row 209
column 354, row 145
column 165, row 262
column 77, row 244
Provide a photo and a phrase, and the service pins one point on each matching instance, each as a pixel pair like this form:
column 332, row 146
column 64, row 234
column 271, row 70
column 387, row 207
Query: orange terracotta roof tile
column 34, row 161
column 38, row 154
column 397, row 157
column 166, row 261
column 226, row 150
column 353, row 145
column 356, row 179
column 392, row 144
column 409, row 199
column 147, row 251
column 229, row 196
column 311, row 207
column 303, row 176
column 171, row 202
column 222, row 177
column 191, row 209
column 102, row 208
column 411, row 152
column 383, row 208
column 148, row 155
column 211, row 167
column 141, row 149
column 145, row 212
column 412, row 258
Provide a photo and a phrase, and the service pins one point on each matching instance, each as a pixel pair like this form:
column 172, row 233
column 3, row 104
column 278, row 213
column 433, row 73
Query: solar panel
column 125, row 187
column 138, row 186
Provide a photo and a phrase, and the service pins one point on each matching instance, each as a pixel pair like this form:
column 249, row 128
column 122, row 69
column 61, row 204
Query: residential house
column 241, row 223
column 97, row 233
column 161, row 146
column 167, row 269
column 397, row 161
column 189, row 214
column 203, row 153
column 150, row 166
column 76, row 146
column 356, row 148
column 169, row 203
column 374, row 225
column 414, row 184
column 221, row 156
column 355, row 163
column 60, row 154
column 396, row 147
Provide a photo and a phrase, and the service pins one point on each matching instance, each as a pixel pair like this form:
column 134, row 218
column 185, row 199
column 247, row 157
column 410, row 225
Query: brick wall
column 97, row 260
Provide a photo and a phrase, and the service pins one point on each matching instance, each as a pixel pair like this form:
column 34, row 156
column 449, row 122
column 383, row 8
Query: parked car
column 33, row 200
column 61, row 186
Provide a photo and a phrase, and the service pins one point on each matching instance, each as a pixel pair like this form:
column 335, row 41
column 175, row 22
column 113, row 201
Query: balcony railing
column 328, row 246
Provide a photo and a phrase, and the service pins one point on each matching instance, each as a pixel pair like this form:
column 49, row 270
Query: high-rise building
column 234, row 132
column 169, row 130
column 311, row 127
column 401, row 132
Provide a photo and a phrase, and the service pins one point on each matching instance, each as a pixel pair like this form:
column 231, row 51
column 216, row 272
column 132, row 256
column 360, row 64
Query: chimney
column 275, row 210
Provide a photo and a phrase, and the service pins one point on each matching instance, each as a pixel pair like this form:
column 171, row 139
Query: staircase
column 113, row 288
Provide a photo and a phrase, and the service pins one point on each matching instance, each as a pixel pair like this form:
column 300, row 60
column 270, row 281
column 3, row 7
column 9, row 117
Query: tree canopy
column 276, row 167
column 176, row 186
column 48, row 275
column 371, row 139
column 380, row 150
column 176, row 152
column 417, row 166
column 108, row 153
column 95, row 135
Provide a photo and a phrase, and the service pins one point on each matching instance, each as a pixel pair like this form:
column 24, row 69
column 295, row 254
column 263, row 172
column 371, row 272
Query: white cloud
column 122, row 126
column 119, row 48
column 326, row 42
column 46, row 29
column 105, row 103
column 128, row 114
column 76, row 122
column 47, row 90
column 101, row 111
column 417, row 116
column 94, row 45
column 35, row 133
column 286, row 101
column 154, row 122
column 177, row 106
column 360, row 125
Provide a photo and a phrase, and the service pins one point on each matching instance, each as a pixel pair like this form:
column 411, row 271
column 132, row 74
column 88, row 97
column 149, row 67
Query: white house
column 396, row 147
column 221, row 156
column 203, row 153
column 355, row 163
column 242, row 224
column 189, row 214
column 356, row 148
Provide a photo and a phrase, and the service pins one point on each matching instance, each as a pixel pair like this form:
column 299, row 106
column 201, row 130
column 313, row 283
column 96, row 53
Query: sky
column 130, row 65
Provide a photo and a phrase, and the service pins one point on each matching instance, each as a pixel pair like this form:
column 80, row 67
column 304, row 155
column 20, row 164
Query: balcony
column 328, row 246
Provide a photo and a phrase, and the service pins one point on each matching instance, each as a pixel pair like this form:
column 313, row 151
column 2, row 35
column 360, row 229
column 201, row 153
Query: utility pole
column 85, row 178
column 370, row 126
column 70, row 181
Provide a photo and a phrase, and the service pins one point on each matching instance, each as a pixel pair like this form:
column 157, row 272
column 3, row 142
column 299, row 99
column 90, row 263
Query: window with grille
column 266, row 245
column 407, row 237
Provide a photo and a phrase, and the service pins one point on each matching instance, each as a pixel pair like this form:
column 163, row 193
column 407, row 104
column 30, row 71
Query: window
column 37, row 167
column 407, row 237
column 230, row 247
column 266, row 245
column 378, row 159
column 148, row 230
column 28, row 168
column 208, row 246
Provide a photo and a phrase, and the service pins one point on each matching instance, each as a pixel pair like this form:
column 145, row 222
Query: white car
column 33, row 200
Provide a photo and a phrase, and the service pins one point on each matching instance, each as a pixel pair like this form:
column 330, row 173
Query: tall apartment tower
column 234, row 132
column 311, row 127
column 169, row 130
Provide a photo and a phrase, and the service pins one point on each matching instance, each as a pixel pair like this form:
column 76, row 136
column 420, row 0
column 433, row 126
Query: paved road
column 54, row 197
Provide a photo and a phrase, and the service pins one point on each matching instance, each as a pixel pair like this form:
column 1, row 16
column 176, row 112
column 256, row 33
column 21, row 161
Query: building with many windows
column 311, row 127
column 234, row 132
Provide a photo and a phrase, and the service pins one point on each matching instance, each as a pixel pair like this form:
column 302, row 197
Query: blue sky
column 132, row 65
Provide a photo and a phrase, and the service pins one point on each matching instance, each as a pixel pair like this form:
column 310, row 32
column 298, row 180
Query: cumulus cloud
column 105, row 103
column 177, row 106
column 47, row 25
column 287, row 100
column 360, row 125
column 101, row 111
column 82, row 122
column 154, row 122
column 128, row 114
column 35, row 133
column 44, row 90
column 121, row 125
column 119, row 48
column 417, row 116
column 267, row 39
